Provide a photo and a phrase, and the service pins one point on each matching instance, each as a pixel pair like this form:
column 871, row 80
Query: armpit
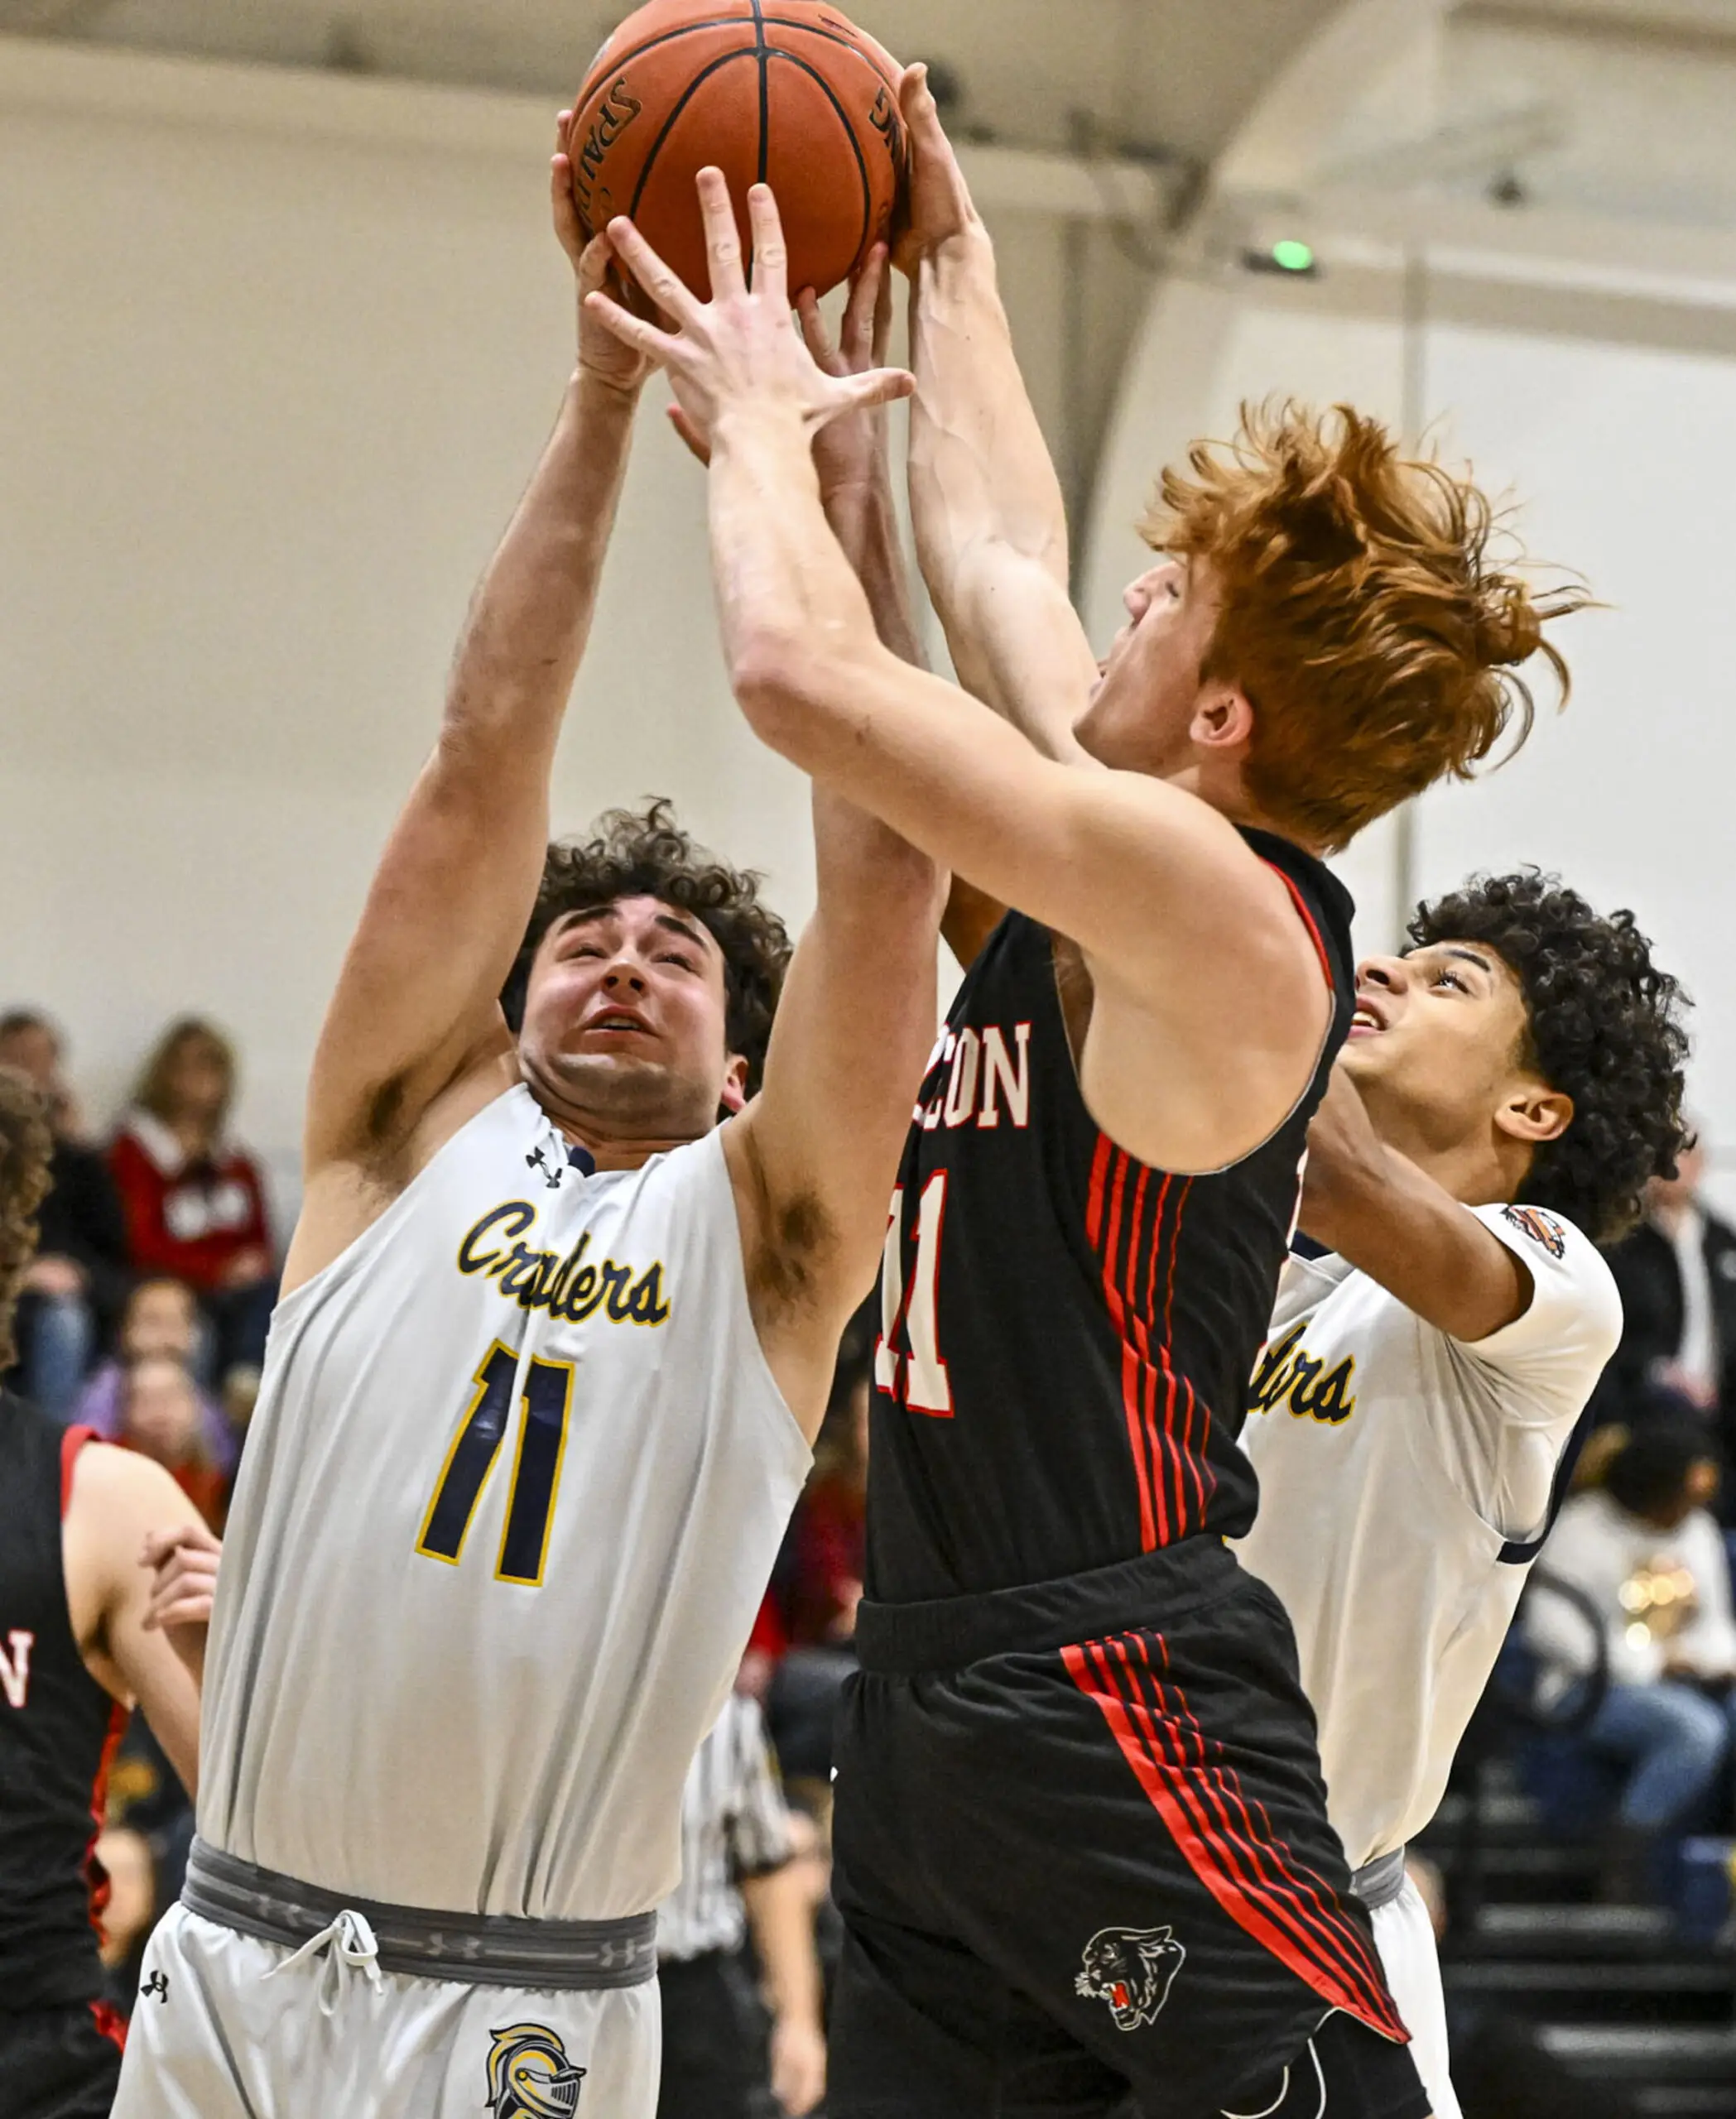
column 790, row 1260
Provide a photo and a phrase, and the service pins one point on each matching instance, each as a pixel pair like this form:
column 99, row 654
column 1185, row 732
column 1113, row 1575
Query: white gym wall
column 277, row 353
column 1584, row 362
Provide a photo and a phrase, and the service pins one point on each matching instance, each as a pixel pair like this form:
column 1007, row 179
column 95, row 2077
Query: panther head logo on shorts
column 1133, row 1970
column 530, row 2076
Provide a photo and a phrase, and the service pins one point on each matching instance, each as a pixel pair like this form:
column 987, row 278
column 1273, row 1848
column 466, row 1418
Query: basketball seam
column 762, row 52
column 686, row 97
column 596, row 77
column 599, row 75
column 849, row 133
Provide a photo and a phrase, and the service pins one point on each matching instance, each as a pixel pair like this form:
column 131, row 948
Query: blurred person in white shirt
column 1649, row 1554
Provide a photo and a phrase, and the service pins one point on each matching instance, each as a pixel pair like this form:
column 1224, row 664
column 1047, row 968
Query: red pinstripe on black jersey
column 1068, row 1333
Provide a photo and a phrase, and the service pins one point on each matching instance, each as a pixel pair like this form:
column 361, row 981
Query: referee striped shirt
column 734, row 1823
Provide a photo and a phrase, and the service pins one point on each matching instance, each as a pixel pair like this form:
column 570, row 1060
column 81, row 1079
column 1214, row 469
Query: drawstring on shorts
column 351, row 1938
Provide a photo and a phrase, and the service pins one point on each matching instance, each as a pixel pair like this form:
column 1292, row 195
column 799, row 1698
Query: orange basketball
column 788, row 93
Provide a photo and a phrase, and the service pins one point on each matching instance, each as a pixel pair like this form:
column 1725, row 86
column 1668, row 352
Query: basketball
column 789, row 94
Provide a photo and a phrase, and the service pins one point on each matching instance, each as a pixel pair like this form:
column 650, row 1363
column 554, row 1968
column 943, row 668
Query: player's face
column 1141, row 715
column 625, row 1020
column 1438, row 1038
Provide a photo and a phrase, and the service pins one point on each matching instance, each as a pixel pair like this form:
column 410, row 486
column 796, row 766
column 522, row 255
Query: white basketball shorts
column 1405, row 1937
column 227, row 2027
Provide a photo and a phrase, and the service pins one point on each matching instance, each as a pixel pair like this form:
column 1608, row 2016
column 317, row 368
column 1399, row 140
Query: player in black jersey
column 1081, row 1837
column 85, row 1631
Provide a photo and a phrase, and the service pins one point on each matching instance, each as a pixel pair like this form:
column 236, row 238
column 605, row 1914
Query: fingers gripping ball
column 787, row 93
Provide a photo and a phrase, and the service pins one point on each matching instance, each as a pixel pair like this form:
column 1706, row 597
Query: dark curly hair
column 1604, row 1028
column 644, row 853
column 1652, row 1468
column 25, row 1144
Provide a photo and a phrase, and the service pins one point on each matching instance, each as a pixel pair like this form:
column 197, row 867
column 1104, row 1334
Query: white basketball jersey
column 1395, row 1464
column 514, row 1487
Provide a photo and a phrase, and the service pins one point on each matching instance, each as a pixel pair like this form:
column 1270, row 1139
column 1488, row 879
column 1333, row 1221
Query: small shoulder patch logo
column 1540, row 1227
column 530, row 2076
column 1131, row 1970
column 156, row 1988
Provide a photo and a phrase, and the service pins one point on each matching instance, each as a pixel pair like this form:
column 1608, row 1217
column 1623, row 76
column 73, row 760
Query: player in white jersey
column 1509, row 1085
column 553, row 1347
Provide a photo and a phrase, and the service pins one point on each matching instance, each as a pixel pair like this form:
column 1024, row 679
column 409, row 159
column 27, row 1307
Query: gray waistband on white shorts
column 474, row 1949
column 1380, row 1882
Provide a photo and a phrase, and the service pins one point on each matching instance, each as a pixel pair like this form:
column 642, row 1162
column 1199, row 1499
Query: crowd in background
column 144, row 1313
column 145, row 1317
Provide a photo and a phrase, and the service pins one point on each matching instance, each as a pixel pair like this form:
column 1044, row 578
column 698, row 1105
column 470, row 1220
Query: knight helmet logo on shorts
column 1131, row 1969
column 530, row 2076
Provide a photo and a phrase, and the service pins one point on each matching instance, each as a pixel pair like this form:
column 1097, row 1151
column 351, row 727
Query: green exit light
column 1292, row 256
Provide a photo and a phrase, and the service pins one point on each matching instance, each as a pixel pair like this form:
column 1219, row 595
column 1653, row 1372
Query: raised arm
column 814, row 1156
column 1375, row 1206
column 989, row 516
column 416, row 1008
column 1211, row 1008
column 852, row 458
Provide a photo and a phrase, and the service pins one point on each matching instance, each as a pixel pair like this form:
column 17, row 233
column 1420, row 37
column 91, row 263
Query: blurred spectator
column 78, row 1280
column 125, row 1858
column 161, row 1319
column 1677, row 1276
column 162, row 1418
column 195, row 1201
column 1650, row 1556
column 819, row 1574
column 740, row 1868
column 830, row 1536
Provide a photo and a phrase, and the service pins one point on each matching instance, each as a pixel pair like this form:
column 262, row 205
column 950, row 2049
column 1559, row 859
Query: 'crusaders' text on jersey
column 1067, row 1335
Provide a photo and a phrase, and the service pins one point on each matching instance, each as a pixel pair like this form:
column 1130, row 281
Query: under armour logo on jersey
column 552, row 1174
column 577, row 1158
column 156, row 1988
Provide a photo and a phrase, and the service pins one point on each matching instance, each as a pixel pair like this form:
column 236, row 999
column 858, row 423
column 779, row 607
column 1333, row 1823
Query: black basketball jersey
column 58, row 1731
column 1067, row 1335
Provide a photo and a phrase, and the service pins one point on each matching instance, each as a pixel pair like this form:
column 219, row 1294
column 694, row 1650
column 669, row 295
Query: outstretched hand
column 939, row 207
column 602, row 356
column 739, row 349
column 850, row 454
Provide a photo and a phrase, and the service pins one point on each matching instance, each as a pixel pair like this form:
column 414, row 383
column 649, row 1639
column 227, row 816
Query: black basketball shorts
column 60, row 2063
column 1098, row 1862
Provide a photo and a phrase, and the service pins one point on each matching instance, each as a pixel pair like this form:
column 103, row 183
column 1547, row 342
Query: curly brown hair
column 26, row 1145
column 644, row 853
column 1363, row 615
column 1605, row 1028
